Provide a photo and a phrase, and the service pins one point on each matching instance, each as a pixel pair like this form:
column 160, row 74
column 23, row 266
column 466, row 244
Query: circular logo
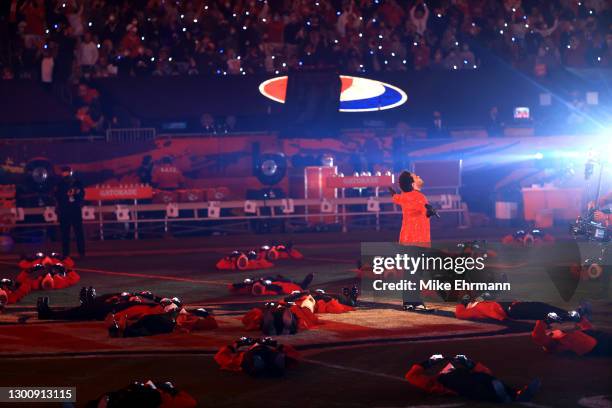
column 356, row 95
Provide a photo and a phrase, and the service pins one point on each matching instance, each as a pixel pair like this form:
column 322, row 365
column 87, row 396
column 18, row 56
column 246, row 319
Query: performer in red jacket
column 415, row 210
column 415, row 231
column 459, row 375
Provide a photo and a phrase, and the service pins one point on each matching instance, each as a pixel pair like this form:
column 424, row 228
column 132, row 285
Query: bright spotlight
column 538, row 156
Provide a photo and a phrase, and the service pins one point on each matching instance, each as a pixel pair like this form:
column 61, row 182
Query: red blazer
column 415, row 224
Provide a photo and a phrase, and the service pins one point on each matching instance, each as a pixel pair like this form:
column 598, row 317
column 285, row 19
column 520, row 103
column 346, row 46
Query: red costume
column 463, row 377
column 481, row 310
column 332, row 306
column 319, row 302
column 133, row 313
column 306, row 319
column 47, row 272
column 188, row 322
column 185, row 321
column 527, row 238
column 178, row 400
column 242, row 262
column 261, row 259
column 284, row 252
column 13, row 293
column 420, row 379
column 286, row 288
column 415, row 223
column 269, row 286
column 558, row 341
column 232, row 357
column 253, row 319
column 146, row 394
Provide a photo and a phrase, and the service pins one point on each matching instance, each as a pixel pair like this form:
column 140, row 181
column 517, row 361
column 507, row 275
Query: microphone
column 431, row 211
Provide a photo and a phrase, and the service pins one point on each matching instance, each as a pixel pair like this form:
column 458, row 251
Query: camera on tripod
column 590, row 229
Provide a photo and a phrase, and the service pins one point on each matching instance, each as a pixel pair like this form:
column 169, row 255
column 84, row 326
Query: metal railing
column 130, row 135
column 345, row 212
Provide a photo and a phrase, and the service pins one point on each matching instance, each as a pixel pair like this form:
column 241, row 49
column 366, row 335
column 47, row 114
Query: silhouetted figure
column 69, row 195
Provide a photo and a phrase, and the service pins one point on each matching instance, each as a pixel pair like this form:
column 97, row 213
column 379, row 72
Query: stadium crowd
column 68, row 40
column 65, row 44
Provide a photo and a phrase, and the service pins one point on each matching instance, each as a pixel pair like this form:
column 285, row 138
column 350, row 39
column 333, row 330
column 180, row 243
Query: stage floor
column 356, row 359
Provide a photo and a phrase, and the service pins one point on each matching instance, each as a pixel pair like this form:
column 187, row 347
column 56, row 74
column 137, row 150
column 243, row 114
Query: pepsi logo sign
column 356, row 95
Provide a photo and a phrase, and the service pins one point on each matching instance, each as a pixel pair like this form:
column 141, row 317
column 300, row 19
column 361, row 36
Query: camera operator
column 599, row 215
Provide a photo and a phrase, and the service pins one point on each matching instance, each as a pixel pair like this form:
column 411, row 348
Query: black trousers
column 151, row 325
column 476, row 386
column 97, row 310
column 531, row 310
column 72, row 219
column 604, row 343
column 413, row 297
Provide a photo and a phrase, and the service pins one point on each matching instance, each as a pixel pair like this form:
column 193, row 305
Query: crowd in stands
column 70, row 42
column 71, row 39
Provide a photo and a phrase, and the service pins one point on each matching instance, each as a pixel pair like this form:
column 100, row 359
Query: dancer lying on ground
column 244, row 261
column 129, row 323
column 325, row 302
column 132, row 314
column 98, row 307
column 257, row 357
column 276, row 318
column 484, row 307
column 270, row 286
column 281, row 251
column 556, row 335
column 461, row 376
column 146, row 395
column 260, row 259
column 45, row 272
column 12, row 292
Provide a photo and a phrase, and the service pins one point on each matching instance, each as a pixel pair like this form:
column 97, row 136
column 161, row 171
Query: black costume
column 461, row 376
column 146, row 395
column 534, row 310
column 69, row 195
column 94, row 307
column 270, row 285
